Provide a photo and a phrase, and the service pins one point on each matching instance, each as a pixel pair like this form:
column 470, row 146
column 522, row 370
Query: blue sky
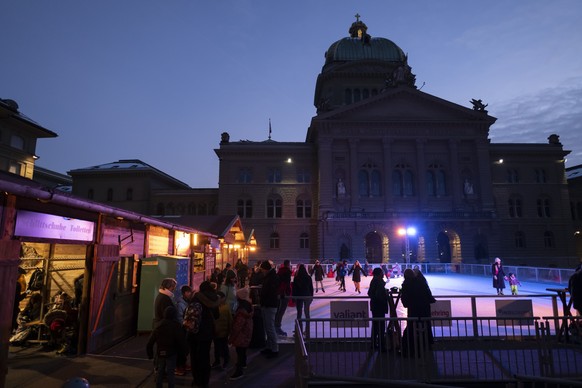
column 161, row 80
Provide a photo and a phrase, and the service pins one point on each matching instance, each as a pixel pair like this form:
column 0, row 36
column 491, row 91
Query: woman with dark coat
column 379, row 308
column 498, row 276
column 303, row 287
column 357, row 271
column 317, row 270
column 417, row 297
column 164, row 299
column 200, row 342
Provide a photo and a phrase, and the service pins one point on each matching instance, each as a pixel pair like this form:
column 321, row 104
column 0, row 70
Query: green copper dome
column 359, row 45
column 354, row 49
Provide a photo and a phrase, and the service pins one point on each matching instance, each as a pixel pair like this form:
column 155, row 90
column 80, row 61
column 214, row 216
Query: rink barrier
column 500, row 350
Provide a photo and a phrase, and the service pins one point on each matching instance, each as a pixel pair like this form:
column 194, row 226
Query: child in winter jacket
column 242, row 330
column 513, row 283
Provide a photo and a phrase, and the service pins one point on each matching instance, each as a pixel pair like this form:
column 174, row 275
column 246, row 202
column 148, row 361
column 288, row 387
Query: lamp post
column 406, row 233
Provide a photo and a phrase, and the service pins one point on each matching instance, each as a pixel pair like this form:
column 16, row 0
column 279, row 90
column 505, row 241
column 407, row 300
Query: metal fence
column 443, row 350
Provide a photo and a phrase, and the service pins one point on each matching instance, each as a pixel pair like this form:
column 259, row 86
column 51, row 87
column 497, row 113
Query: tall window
column 549, row 240
column 397, row 183
column 519, row 239
column 540, row 175
column 512, row 176
column 303, row 175
column 110, row 194
column 129, row 194
column 274, row 240
column 244, row 208
column 515, row 207
column 543, row 205
column 245, row 175
column 436, row 180
column 274, row 175
column 369, row 180
column 274, row 208
column 303, row 208
column 408, row 183
column 90, row 193
column 304, row 241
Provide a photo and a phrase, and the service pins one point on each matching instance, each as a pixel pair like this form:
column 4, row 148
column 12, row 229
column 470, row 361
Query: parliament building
column 380, row 156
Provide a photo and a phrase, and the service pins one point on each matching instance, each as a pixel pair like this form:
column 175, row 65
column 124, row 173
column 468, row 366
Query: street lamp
column 407, row 232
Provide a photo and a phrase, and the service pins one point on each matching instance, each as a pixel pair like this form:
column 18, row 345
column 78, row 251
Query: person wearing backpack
column 201, row 334
column 170, row 342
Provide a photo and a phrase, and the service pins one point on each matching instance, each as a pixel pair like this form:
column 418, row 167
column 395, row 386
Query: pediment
column 405, row 104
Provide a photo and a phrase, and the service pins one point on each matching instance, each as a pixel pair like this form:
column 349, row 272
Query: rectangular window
column 274, row 175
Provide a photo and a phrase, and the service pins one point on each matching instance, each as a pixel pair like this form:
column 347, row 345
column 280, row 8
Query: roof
column 12, row 107
column 219, row 226
column 127, row 165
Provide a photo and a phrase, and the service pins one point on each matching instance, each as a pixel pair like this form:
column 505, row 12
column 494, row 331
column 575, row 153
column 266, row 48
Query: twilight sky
column 161, row 80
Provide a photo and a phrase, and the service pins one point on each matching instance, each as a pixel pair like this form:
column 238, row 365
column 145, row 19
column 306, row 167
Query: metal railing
column 443, row 350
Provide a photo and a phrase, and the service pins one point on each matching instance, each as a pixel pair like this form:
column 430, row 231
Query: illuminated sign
column 31, row 224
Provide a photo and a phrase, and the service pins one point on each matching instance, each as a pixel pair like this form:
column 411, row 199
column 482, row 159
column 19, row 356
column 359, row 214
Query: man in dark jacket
column 379, row 308
column 269, row 305
column 170, row 340
column 201, row 341
column 284, row 274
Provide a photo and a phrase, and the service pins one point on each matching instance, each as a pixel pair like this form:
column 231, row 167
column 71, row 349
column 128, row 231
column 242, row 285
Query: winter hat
column 244, row 294
column 266, row 265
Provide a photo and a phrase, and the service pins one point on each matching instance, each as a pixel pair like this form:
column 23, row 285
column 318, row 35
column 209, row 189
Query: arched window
column 363, row 183
column 376, row 184
column 430, row 184
column 274, row 208
column 369, row 180
column 304, row 241
column 303, row 208
column 397, row 183
column 244, row 208
column 274, row 240
column 408, row 183
column 519, row 239
column 436, row 184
